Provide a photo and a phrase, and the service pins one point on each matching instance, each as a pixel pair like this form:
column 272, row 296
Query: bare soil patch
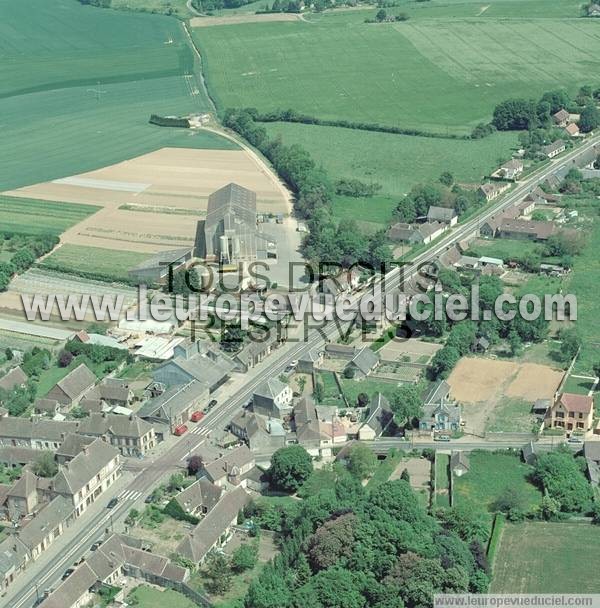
column 419, row 470
column 416, row 351
column 476, row 379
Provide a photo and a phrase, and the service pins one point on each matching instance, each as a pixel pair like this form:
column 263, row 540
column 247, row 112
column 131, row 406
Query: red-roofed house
column 572, row 413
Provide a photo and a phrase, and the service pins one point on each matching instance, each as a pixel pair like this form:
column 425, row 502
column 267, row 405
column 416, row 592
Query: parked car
column 95, row 545
column 149, row 499
column 67, row 573
column 112, row 503
column 197, row 416
column 212, row 403
column 180, row 430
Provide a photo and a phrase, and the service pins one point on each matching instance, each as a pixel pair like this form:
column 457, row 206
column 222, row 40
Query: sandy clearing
column 419, row 471
column 534, row 381
column 235, row 19
column 475, row 379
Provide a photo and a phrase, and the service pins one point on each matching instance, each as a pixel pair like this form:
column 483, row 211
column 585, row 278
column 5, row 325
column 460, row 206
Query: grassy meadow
column 433, row 72
column 546, row 557
column 396, row 162
column 79, row 96
column 31, row 216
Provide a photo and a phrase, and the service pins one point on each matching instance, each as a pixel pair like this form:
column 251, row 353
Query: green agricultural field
column 97, row 76
column 396, row 162
column 583, row 281
column 111, row 264
column 544, row 557
column 437, row 74
column 490, row 474
column 372, row 214
column 505, row 249
column 31, row 216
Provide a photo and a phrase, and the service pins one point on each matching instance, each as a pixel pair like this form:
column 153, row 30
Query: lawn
column 145, row 596
column 109, row 263
column 432, row 72
column 331, row 391
column 579, row 386
column 78, row 84
column 511, row 415
column 584, row 282
column 489, row 475
column 396, row 162
column 370, row 386
column 30, row 216
column 442, row 480
column 373, row 213
column 505, row 249
column 542, row 557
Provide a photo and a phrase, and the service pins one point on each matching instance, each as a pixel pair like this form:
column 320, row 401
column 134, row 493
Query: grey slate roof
column 73, row 444
column 84, row 467
column 25, row 428
column 98, row 424
column 173, row 401
column 459, row 459
column 270, row 389
column 15, row 377
column 77, row 381
column 365, row 360
column 230, row 461
column 57, row 511
column 380, row 414
column 208, row 531
column 200, row 493
column 441, row 214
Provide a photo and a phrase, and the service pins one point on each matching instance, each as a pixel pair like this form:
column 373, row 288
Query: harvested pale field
column 248, row 18
column 153, row 202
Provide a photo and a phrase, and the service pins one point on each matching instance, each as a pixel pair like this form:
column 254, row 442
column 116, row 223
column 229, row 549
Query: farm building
column 561, row 118
column 524, row 229
column 445, row 215
column 73, row 386
column 156, row 268
column 490, row 191
column 364, row 362
column 510, row 169
column 229, row 234
column 554, row 149
column 459, row 463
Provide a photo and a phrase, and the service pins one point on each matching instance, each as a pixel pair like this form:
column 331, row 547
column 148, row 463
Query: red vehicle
column 197, row 416
column 180, row 430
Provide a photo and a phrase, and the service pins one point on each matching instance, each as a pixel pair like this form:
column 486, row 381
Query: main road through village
column 144, row 475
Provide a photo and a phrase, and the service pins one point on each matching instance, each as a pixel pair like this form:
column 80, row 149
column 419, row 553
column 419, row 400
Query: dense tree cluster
column 532, row 115
column 347, row 547
column 26, row 250
column 562, row 477
column 290, row 468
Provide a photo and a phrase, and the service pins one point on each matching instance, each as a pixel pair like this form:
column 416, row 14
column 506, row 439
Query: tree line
column 328, row 241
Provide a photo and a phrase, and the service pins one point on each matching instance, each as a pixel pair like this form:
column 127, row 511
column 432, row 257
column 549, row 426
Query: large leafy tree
column 290, row 467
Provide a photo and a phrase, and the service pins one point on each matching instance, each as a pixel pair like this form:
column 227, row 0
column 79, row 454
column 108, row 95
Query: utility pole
column 97, row 92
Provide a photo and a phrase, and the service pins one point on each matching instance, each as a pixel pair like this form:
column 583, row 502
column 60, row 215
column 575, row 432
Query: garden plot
column 409, row 351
